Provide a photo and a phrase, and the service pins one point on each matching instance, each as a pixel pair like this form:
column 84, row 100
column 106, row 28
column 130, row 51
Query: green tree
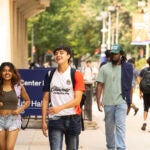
column 74, row 23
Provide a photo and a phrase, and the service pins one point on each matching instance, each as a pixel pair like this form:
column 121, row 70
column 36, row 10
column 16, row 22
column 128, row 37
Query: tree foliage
column 74, row 23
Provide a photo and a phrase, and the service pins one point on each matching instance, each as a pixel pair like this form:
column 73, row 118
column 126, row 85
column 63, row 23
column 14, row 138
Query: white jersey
column 61, row 91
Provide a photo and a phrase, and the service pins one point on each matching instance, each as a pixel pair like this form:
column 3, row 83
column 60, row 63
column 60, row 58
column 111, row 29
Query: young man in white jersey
column 61, row 102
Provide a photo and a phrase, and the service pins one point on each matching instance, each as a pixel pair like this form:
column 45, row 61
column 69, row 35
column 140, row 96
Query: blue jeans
column 115, row 119
column 10, row 122
column 68, row 126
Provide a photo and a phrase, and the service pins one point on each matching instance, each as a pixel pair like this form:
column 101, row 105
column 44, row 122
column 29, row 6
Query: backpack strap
column 83, row 96
column 50, row 74
column 147, row 69
column 72, row 76
column 17, row 89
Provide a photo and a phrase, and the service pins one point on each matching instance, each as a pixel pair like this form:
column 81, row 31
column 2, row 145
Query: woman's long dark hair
column 15, row 75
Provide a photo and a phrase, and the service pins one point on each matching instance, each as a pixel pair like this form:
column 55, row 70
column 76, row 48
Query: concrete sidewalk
column 93, row 138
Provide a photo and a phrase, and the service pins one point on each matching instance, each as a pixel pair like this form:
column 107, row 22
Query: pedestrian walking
column 108, row 55
column 10, row 119
column 61, row 102
column 114, row 85
column 88, row 71
column 134, row 81
column 145, row 94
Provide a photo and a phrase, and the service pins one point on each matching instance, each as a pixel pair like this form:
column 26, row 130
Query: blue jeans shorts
column 10, row 122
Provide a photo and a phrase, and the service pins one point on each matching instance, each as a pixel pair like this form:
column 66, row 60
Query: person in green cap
column 114, row 82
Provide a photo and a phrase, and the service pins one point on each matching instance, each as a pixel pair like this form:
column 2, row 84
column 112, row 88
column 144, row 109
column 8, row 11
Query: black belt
column 69, row 116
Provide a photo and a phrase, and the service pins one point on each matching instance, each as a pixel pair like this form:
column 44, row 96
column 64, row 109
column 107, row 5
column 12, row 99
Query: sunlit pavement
column 93, row 138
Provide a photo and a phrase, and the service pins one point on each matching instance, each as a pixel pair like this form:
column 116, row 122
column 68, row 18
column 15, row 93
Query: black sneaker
column 144, row 126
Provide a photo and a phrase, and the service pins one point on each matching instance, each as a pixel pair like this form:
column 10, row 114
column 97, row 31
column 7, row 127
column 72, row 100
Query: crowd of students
column 115, row 79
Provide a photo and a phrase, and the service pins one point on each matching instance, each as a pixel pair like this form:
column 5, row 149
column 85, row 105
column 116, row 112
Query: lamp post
column 103, row 16
column 110, row 10
column 103, row 30
column 117, row 23
column 109, row 30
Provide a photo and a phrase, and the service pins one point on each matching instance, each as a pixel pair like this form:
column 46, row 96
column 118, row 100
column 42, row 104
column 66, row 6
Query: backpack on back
column 17, row 89
column 50, row 75
column 145, row 82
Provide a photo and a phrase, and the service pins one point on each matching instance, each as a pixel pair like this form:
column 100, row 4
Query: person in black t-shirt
column 146, row 97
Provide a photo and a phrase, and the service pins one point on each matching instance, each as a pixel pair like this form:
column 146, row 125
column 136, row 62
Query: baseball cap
column 116, row 48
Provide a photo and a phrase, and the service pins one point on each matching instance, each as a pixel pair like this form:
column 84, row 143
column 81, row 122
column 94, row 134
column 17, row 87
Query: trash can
column 88, row 102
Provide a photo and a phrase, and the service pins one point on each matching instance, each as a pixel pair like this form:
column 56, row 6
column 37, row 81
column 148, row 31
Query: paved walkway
column 93, row 138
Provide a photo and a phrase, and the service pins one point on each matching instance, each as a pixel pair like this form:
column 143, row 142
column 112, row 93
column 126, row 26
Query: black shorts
column 146, row 98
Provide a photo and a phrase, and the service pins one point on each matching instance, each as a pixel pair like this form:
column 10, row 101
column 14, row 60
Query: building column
column 5, row 41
